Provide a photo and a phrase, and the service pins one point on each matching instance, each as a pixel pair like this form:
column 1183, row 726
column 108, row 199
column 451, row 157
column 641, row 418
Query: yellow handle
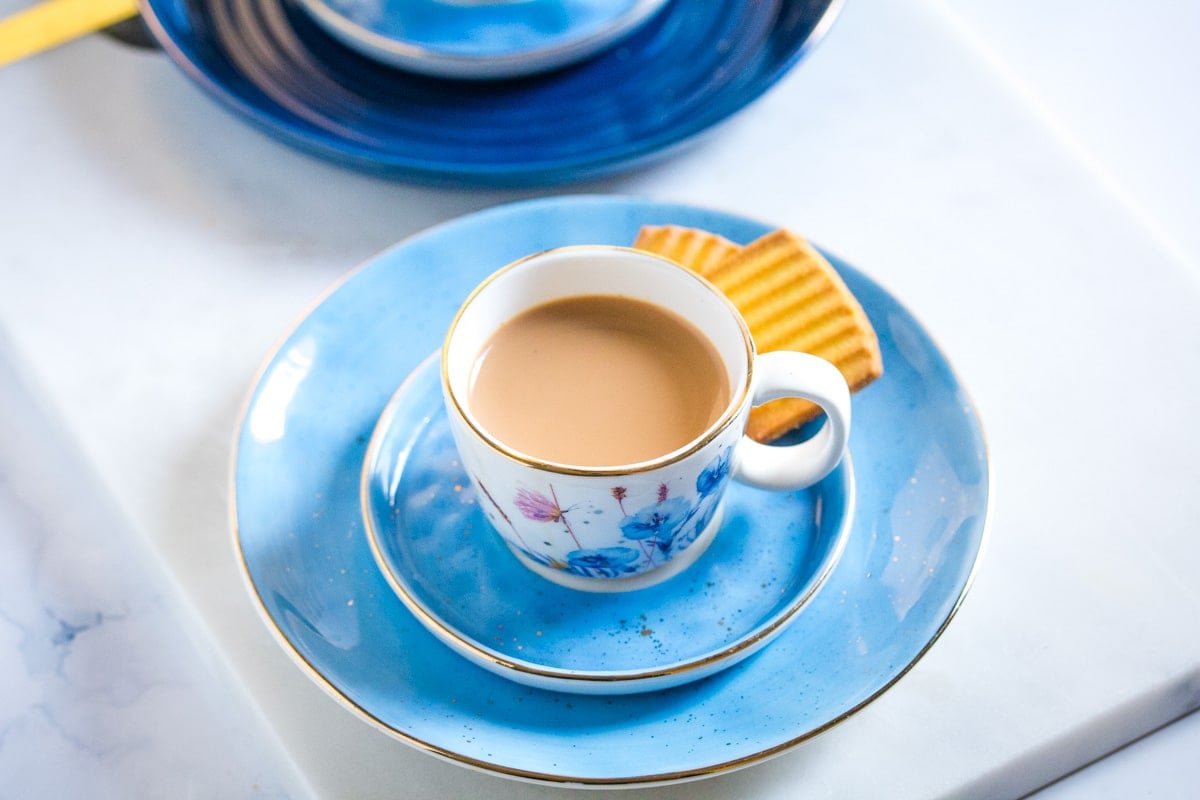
column 54, row 22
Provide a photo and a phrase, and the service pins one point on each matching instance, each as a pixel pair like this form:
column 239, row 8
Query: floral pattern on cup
column 650, row 534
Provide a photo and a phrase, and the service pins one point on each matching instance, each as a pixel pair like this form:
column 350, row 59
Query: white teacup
column 615, row 527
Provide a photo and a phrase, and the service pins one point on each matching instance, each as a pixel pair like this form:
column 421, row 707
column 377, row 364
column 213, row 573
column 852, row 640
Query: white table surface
column 1022, row 177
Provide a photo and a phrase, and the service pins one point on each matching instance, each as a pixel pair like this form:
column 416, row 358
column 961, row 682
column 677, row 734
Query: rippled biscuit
column 793, row 299
column 698, row 250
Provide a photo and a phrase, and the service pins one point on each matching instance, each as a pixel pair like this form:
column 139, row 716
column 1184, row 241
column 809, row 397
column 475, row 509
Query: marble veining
column 107, row 690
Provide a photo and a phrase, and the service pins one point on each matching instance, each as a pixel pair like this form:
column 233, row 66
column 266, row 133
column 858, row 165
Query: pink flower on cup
column 539, row 508
column 618, row 493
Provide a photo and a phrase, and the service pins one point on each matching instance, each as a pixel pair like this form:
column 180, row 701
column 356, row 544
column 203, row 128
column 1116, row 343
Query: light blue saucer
column 921, row 502
column 480, row 38
column 462, row 583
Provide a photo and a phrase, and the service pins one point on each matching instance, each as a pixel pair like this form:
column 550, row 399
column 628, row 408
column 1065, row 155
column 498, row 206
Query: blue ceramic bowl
column 480, row 38
column 688, row 68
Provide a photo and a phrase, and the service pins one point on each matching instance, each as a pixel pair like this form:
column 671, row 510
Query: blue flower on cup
column 713, row 476
column 653, row 533
column 540, row 558
column 658, row 523
column 702, row 515
column 604, row 562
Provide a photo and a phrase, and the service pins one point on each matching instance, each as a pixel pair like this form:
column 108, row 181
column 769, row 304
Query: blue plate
column 691, row 66
column 920, row 514
column 436, row 548
column 480, row 38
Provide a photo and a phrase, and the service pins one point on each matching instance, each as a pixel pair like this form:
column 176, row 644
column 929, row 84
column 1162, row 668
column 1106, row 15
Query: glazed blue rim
column 611, row 213
column 270, row 64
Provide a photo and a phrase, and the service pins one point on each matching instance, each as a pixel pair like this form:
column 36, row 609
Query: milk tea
column 598, row 381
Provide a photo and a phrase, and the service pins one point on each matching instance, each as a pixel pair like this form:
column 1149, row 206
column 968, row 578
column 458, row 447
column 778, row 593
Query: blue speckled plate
column 920, row 515
column 480, row 38
column 689, row 67
column 459, row 579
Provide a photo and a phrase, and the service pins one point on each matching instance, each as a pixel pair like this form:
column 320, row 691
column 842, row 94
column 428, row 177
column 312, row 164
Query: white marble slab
column 112, row 689
column 1162, row 764
column 154, row 248
column 1117, row 82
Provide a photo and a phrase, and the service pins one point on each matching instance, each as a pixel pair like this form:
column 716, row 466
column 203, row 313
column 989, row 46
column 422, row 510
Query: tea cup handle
column 780, row 374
